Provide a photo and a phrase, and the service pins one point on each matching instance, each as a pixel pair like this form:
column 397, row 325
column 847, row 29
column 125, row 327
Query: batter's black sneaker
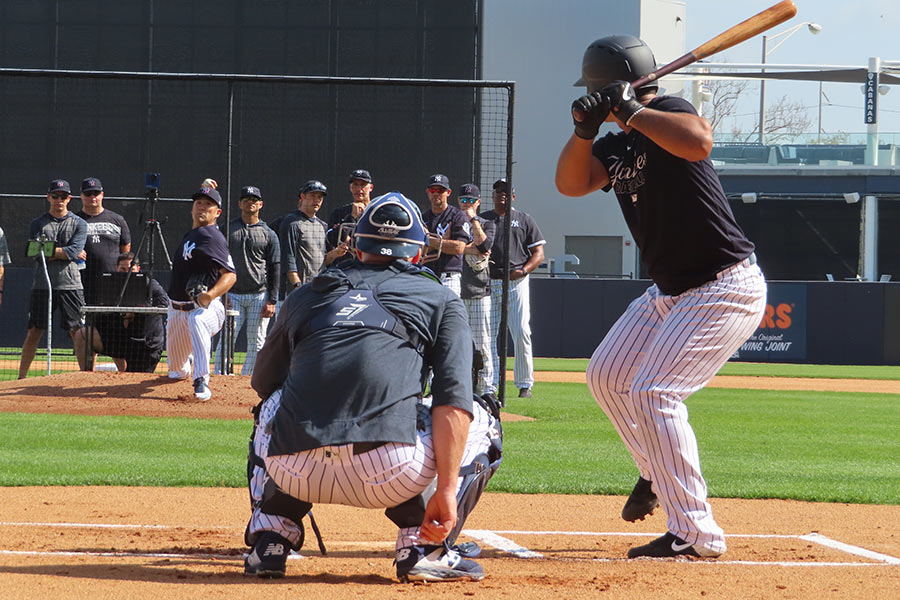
column 268, row 558
column 641, row 502
column 435, row 563
column 668, row 546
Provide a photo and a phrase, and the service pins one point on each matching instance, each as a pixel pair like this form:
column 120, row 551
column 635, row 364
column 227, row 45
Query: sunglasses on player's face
column 436, row 190
column 59, row 195
column 468, row 200
column 91, row 193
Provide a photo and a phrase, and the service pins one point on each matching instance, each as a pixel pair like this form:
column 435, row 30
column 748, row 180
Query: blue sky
column 851, row 33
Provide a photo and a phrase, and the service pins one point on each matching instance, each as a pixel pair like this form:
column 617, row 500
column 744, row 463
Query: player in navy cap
column 202, row 272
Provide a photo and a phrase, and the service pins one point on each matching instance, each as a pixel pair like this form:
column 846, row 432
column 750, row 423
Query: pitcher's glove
column 196, row 285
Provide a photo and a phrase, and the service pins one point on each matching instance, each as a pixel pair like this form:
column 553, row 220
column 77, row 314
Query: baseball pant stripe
column 519, row 322
column 641, row 382
column 249, row 308
column 380, row 478
column 452, row 281
column 479, row 311
column 189, row 338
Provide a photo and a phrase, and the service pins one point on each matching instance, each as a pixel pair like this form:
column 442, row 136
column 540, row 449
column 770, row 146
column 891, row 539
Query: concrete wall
column 539, row 45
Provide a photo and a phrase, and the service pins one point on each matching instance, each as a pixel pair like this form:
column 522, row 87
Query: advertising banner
column 781, row 336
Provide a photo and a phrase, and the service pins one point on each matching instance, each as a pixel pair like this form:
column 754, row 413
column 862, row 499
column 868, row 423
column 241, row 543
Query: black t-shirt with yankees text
column 202, row 250
column 106, row 234
column 452, row 224
column 675, row 208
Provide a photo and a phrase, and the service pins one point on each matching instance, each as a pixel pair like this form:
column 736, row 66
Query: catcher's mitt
column 197, row 284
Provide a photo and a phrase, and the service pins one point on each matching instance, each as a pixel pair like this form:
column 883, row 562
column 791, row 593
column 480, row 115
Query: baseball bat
column 763, row 21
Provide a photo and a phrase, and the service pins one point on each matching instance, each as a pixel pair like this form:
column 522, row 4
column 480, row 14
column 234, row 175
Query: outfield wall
column 850, row 323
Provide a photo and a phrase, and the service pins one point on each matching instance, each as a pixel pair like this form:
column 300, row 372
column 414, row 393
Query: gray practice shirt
column 351, row 381
column 69, row 233
column 257, row 258
column 303, row 245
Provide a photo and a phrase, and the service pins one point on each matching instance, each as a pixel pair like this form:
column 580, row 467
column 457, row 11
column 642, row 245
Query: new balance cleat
column 201, row 389
column 268, row 558
column 435, row 563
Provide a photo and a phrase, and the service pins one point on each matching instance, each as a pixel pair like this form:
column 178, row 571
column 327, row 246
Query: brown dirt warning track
column 174, row 543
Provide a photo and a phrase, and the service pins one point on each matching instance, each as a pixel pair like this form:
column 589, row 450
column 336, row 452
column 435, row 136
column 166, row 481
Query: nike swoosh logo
column 680, row 547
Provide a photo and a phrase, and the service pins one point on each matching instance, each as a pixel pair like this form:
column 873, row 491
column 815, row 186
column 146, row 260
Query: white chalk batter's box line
column 490, row 538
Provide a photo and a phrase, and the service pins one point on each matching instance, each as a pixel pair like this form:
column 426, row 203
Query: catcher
column 343, row 420
column 202, row 271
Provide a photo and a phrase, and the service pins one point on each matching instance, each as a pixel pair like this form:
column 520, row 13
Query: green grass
column 753, row 444
column 739, row 368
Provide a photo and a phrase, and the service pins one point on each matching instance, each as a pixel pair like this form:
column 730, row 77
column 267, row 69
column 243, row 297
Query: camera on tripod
column 151, row 181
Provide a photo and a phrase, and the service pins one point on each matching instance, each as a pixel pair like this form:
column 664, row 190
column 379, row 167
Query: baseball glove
column 197, row 284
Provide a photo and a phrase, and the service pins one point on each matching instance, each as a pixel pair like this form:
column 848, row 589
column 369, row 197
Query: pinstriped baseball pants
column 659, row 352
column 519, row 323
column 189, row 338
column 479, row 310
column 380, row 478
column 249, row 307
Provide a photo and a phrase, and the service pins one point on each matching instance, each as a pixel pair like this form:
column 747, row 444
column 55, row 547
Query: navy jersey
column 524, row 236
column 676, row 209
column 353, row 380
column 202, row 250
column 477, row 284
column 452, row 224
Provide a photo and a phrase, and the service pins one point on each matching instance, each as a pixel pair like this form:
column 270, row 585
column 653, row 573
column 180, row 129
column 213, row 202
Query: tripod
column 151, row 226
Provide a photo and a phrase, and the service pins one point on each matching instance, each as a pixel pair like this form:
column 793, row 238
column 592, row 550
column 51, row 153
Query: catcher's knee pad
column 409, row 514
column 276, row 502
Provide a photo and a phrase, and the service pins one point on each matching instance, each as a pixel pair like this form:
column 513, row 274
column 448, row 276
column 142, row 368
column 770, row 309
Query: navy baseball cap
column 313, row 185
column 251, row 190
column 208, row 192
column 439, row 180
column 501, row 185
column 91, row 184
column 469, row 190
column 59, row 185
column 362, row 175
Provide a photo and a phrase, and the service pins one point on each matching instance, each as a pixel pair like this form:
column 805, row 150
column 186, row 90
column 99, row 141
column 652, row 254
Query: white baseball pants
column 659, row 352
column 381, row 478
column 519, row 323
column 249, row 308
column 452, row 281
column 479, row 310
column 189, row 339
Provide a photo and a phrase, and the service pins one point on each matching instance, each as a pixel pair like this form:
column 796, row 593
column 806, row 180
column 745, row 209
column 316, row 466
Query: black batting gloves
column 588, row 113
column 622, row 101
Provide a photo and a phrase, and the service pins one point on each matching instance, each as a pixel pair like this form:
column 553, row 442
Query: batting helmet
column 616, row 57
column 391, row 225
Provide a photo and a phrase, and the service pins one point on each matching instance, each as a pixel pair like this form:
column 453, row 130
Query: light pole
column 814, row 28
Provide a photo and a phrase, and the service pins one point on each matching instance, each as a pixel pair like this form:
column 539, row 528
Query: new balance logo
column 278, row 550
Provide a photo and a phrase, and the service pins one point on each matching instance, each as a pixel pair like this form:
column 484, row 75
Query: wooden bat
column 763, row 21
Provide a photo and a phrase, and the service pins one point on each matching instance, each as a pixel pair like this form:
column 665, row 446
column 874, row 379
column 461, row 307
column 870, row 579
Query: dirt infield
column 110, row 542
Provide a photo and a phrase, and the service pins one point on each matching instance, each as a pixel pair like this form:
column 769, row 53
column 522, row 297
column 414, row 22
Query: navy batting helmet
column 616, row 57
column 391, row 225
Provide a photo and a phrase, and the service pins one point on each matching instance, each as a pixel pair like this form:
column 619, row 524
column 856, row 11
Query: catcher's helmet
column 616, row 57
column 391, row 225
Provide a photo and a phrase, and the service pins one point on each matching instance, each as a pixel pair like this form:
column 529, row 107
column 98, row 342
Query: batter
column 708, row 294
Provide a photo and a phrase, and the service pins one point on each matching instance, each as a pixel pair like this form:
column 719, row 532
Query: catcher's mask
column 616, row 57
column 392, row 226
